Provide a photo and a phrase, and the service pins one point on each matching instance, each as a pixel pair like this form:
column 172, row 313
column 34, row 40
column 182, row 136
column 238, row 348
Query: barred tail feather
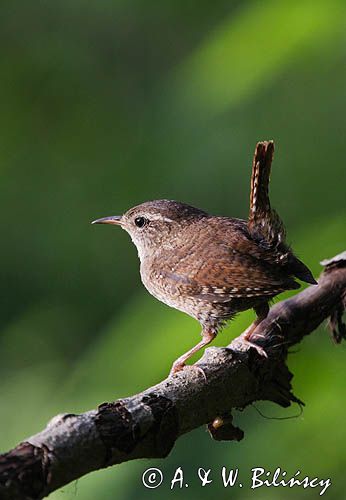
column 263, row 223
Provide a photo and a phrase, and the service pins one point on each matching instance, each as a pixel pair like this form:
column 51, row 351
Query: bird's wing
column 229, row 265
column 239, row 275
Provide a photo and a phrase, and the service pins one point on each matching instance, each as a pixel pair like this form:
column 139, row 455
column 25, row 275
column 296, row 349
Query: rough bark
column 148, row 424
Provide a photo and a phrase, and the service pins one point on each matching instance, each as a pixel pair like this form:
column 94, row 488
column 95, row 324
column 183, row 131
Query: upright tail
column 264, row 223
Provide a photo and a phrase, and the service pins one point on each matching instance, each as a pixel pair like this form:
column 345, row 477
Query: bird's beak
column 114, row 219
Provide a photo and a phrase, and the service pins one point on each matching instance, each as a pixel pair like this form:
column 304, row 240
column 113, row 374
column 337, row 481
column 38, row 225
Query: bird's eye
column 140, row 221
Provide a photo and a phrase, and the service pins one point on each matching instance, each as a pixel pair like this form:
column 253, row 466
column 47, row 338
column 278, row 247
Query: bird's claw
column 259, row 349
column 178, row 367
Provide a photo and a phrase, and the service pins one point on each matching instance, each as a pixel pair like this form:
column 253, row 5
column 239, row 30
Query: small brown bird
column 213, row 267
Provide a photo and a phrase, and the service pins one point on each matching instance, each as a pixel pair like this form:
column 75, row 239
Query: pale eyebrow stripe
column 159, row 217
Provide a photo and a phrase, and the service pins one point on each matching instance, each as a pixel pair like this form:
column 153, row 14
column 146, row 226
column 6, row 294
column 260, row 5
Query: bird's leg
column 207, row 337
column 262, row 312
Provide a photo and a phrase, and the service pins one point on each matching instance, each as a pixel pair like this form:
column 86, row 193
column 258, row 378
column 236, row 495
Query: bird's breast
column 169, row 280
column 157, row 278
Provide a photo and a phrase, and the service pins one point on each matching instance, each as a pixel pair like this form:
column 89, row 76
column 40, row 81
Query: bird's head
column 154, row 224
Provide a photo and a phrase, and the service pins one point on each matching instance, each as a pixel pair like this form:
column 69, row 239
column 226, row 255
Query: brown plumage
column 214, row 267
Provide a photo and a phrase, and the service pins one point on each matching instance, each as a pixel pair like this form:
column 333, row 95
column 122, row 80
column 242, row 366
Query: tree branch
column 148, row 424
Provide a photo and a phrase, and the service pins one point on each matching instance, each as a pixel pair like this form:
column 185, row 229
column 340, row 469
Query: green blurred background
column 107, row 104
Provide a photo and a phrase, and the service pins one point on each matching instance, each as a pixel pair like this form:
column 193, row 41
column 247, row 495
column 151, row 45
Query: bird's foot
column 249, row 337
column 178, row 367
column 259, row 349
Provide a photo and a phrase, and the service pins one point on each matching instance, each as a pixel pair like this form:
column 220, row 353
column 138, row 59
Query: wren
column 213, row 267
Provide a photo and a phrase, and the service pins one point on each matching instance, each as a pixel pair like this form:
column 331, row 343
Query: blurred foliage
column 107, row 104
